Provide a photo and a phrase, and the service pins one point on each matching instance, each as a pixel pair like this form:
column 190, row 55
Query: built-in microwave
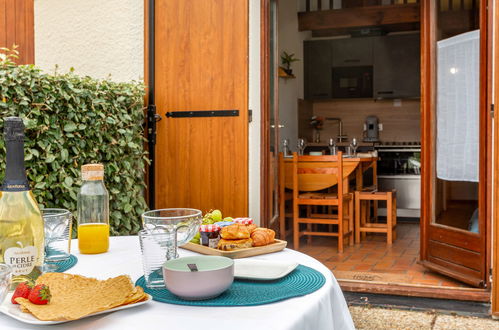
column 353, row 82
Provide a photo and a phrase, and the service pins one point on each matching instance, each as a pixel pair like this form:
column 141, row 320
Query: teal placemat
column 303, row 280
column 62, row 266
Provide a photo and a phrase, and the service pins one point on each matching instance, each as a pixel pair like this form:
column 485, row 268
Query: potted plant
column 286, row 60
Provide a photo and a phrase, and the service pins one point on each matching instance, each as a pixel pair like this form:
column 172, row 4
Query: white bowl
column 214, row 275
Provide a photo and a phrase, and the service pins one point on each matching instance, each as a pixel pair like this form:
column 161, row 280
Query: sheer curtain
column 457, row 107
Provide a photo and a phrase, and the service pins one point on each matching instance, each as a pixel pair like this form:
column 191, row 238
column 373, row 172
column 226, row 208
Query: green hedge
column 70, row 121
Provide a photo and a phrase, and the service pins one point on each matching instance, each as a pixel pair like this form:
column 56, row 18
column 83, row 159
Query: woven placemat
column 303, row 280
column 62, row 266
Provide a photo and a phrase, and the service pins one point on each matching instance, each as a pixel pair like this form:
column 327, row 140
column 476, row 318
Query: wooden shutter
column 17, row 28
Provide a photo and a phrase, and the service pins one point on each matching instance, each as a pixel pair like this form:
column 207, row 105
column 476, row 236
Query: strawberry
column 22, row 290
column 40, row 294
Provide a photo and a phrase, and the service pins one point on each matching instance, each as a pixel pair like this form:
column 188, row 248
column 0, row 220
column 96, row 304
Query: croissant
column 235, row 231
column 251, row 227
column 262, row 236
column 234, row 244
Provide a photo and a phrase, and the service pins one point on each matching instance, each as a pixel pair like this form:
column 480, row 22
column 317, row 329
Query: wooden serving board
column 278, row 245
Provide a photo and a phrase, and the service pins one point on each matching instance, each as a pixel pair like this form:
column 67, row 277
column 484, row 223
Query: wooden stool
column 362, row 221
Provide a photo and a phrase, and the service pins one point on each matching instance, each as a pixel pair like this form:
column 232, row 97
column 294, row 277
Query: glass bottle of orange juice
column 93, row 211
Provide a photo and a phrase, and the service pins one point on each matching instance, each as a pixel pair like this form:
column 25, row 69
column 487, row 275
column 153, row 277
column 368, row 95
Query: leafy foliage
column 70, row 121
column 287, row 59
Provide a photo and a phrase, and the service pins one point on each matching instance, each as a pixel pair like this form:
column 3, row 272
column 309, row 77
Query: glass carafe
column 93, row 211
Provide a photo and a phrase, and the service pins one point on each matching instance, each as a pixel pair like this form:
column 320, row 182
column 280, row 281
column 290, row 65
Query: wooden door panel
column 455, row 255
column 456, row 237
column 17, row 28
column 201, row 64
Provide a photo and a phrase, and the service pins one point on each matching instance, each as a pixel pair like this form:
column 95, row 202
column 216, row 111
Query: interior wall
column 290, row 90
column 400, row 118
column 96, row 38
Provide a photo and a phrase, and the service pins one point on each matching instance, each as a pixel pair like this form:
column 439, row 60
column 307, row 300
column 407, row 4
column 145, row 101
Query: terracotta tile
column 363, row 267
column 344, row 267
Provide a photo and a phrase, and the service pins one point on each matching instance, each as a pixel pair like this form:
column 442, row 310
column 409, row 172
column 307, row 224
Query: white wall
column 290, row 90
column 95, row 37
column 254, row 104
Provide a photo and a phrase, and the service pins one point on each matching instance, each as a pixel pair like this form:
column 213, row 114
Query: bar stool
column 363, row 222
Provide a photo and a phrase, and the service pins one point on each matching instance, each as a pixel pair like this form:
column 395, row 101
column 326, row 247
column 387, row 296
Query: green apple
column 216, row 215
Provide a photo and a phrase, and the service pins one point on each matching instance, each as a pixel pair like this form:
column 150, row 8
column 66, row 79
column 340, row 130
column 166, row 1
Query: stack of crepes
column 75, row 296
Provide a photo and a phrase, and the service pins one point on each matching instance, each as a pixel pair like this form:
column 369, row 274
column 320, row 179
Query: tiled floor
column 374, row 260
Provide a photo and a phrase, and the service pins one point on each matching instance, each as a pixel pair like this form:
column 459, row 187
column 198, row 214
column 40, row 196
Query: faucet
column 340, row 137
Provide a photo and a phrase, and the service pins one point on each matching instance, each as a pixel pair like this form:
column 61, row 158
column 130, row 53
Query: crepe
column 75, row 296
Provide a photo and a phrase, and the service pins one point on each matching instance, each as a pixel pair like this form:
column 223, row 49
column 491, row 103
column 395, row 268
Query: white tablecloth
column 323, row 309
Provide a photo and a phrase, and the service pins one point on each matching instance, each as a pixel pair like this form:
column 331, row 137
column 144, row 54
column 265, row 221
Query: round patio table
column 322, row 309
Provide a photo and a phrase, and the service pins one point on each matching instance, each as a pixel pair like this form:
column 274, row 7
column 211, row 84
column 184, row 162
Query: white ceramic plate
column 14, row 311
column 256, row 269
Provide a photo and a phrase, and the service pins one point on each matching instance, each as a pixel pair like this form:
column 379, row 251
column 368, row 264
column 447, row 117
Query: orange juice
column 93, row 238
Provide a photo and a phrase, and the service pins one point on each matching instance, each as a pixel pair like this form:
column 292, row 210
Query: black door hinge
column 250, row 115
column 492, row 110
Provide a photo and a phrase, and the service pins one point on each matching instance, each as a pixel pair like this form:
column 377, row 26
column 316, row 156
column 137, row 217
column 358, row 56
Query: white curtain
column 457, row 107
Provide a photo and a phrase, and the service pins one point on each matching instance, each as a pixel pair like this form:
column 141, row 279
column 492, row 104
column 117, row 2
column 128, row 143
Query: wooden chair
column 307, row 171
column 363, row 222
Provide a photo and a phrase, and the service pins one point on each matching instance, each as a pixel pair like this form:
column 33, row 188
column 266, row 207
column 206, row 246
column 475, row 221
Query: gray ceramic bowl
column 215, row 275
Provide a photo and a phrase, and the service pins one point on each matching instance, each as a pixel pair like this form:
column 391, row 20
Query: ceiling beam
column 358, row 17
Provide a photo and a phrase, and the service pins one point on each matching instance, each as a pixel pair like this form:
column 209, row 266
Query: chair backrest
column 312, row 173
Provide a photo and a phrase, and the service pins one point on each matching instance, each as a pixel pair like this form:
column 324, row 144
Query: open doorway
column 340, row 82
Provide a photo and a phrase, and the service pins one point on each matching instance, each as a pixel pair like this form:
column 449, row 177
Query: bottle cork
column 92, row 172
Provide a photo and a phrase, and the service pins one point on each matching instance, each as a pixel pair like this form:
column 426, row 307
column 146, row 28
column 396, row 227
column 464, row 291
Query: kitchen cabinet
column 395, row 60
column 397, row 66
column 317, row 61
column 352, row 52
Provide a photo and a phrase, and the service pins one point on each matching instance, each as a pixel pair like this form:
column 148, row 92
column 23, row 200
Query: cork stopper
column 13, row 129
column 92, row 172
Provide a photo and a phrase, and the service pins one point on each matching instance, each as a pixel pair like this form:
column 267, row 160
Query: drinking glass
column 57, row 227
column 332, row 147
column 182, row 223
column 285, row 147
column 354, row 146
column 301, row 146
column 5, row 278
column 154, row 251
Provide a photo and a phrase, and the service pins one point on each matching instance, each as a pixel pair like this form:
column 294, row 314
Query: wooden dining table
column 353, row 168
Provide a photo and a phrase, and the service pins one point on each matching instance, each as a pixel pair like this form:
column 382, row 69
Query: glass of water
column 301, row 146
column 57, row 225
column 5, row 278
column 154, row 248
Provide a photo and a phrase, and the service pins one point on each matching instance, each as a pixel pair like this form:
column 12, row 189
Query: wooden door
column 455, row 212
column 201, row 49
column 17, row 28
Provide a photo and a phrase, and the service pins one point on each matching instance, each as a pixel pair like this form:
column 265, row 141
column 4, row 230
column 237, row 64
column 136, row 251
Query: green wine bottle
column 21, row 223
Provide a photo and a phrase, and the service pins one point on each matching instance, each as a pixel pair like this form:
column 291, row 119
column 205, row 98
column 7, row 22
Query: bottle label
column 21, row 259
column 15, row 185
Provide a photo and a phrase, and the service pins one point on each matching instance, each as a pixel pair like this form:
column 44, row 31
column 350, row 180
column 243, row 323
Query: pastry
column 251, row 227
column 235, row 231
column 234, row 244
column 262, row 236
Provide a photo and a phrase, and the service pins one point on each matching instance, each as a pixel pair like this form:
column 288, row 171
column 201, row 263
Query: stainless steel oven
column 399, row 167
